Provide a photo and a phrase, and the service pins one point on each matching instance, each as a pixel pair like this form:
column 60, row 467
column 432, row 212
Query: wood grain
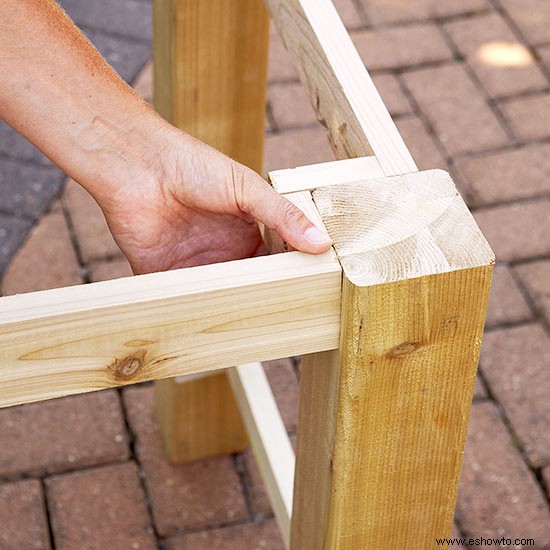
column 338, row 85
column 184, row 403
column 83, row 338
column 210, row 65
column 401, row 227
column 313, row 176
column 383, row 420
column 210, row 72
column 269, row 440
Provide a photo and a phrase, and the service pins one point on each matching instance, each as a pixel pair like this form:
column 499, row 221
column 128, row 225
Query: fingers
column 266, row 205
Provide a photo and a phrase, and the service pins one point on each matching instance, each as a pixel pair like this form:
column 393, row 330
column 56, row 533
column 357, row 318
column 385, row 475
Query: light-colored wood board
column 383, row 420
column 65, row 341
column 313, row 481
column 401, row 227
column 210, row 63
column 313, row 176
column 222, row 430
column 210, row 72
column 269, row 440
column 338, row 85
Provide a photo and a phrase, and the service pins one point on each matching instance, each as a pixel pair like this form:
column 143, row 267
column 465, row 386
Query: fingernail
column 315, row 235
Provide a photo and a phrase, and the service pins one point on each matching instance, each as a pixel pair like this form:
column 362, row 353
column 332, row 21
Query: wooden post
column 383, row 420
column 187, row 431
column 210, row 75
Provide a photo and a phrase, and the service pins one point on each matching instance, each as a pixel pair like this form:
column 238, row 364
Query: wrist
column 119, row 153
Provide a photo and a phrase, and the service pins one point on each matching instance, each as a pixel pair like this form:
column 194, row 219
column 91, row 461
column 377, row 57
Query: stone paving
column 88, row 472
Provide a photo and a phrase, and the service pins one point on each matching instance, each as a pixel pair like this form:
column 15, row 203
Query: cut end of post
column 395, row 228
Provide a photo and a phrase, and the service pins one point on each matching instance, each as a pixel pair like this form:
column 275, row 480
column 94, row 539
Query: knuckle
column 289, row 214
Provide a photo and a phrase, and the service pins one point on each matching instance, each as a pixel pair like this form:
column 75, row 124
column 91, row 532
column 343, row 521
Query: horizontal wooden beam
column 338, row 85
column 268, row 438
column 314, row 176
column 84, row 338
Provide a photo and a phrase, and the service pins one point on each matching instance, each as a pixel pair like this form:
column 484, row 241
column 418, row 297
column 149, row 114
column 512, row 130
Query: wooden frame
column 393, row 320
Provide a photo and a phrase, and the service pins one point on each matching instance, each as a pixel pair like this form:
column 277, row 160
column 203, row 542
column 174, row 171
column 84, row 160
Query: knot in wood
column 129, row 366
column 405, row 348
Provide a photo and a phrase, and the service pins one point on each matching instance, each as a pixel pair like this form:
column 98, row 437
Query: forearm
column 59, row 93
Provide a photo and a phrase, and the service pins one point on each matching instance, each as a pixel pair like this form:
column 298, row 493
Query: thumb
column 278, row 213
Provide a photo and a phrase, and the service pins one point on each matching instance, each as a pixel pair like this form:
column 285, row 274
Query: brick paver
column 259, row 501
column 290, row 106
column 529, row 116
column 100, row 508
column 23, row 522
column 13, row 232
column 296, row 147
column 515, row 364
column 349, row 13
column 456, row 109
column 517, row 231
column 396, row 47
column 130, row 18
column 62, row 434
column 284, row 385
column 498, row 494
column 382, row 11
column 480, row 391
column 508, row 175
column 189, row 496
column 47, row 259
column 546, row 478
column 392, row 94
column 536, row 277
column 456, row 534
column 280, row 67
column 15, row 146
column 262, row 535
column 421, row 144
column 532, row 17
column 503, row 65
column 26, row 189
column 506, row 302
column 544, row 54
column 143, row 83
column 110, row 269
column 94, row 239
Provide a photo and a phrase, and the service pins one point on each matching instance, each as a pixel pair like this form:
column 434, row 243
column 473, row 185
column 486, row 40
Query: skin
column 170, row 200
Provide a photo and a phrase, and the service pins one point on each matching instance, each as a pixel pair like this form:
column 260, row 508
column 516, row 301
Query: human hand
column 170, row 200
column 196, row 206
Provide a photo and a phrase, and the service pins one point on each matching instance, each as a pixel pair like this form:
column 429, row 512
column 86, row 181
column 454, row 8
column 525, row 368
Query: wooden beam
column 83, row 338
column 313, row 176
column 339, row 87
column 268, row 437
column 210, row 72
column 383, row 420
column 210, row 64
column 183, row 403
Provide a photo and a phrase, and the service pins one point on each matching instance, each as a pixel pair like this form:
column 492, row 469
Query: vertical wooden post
column 383, row 420
column 210, row 79
column 198, row 417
